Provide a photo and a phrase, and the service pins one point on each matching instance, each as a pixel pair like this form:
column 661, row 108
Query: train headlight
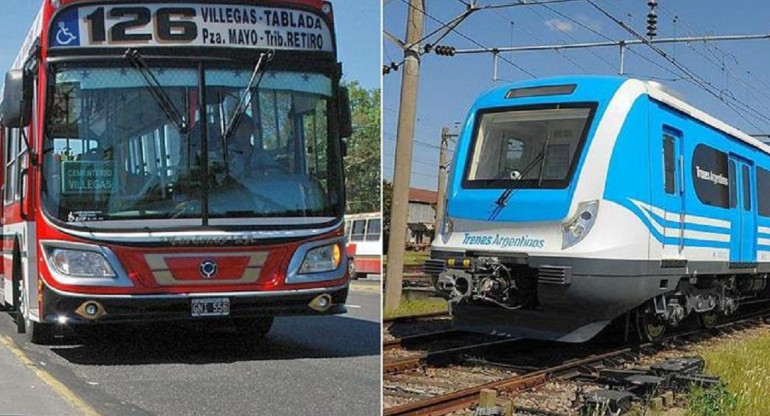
column 578, row 227
column 322, row 259
column 79, row 263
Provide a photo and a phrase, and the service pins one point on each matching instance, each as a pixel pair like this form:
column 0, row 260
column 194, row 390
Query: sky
column 735, row 72
column 358, row 35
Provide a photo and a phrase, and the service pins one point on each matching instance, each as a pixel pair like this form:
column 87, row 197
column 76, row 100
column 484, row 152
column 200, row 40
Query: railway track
column 475, row 344
column 511, row 378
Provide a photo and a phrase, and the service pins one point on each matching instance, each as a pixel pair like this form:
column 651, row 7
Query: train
column 579, row 202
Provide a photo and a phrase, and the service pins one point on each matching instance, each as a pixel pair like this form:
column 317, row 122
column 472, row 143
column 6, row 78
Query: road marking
column 354, row 306
column 57, row 386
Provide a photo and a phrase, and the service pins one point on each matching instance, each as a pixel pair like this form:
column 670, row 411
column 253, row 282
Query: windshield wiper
column 156, row 90
column 505, row 196
column 247, row 95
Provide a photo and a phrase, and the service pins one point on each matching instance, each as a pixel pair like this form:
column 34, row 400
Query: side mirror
column 16, row 110
column 346, row 118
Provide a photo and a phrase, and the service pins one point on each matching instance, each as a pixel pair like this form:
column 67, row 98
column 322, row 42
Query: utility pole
column 443, row 164
column 403, row 169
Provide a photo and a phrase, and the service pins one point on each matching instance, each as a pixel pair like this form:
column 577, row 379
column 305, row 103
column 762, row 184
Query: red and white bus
column 363, row 233
column 174, row 160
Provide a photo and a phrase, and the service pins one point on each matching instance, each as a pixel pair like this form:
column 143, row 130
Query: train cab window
column 763, row 192
column 358, row 231
column 669, row 164
column 373, row 227
column 527, row 148
column 746, row 189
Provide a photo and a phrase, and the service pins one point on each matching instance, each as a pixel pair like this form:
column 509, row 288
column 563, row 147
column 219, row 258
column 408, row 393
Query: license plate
column 211, row 307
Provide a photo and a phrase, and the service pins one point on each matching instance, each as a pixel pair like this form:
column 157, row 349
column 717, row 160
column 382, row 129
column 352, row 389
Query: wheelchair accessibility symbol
column 64, row 37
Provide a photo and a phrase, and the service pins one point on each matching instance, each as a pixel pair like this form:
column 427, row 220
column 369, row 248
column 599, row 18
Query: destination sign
column 187, row 24
column 87, row 176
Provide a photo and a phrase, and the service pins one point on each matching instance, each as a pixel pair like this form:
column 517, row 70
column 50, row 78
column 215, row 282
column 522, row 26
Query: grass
column 744, row 365
column 719, row 401
column 416, row 257
column 417, row 306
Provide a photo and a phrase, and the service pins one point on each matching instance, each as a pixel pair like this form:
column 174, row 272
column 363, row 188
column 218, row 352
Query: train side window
column 710, row 176
column 733, row 186
column 669, row 164
column 763, row 192
column 359, row 230
column 373, row 230
column 746, row 189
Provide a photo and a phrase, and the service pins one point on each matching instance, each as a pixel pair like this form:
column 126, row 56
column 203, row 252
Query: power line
column 540, row 40
column 704, row 84
column 715, row 60
column 420, row 142
column 454, row 29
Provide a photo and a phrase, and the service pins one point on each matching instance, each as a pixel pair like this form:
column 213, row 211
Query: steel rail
column 462, row 399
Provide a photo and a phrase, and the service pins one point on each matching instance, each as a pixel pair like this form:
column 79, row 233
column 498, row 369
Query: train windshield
column 115, row 151
column 527, row 148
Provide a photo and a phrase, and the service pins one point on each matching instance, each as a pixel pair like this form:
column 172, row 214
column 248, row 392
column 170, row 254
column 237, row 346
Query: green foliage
column 416, row 257
column 362, row 166
column 744, row 364
column 719, row 401
column 417, row 306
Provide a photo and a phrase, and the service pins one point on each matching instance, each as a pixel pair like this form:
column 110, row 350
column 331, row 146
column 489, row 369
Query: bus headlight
column 578, row 227
column 322, row 259
column 79, row 263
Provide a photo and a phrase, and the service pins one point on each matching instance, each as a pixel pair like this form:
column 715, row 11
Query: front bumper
column 575, row 298
column 61, row 307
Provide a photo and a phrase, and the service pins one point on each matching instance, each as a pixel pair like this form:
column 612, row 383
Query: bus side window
column 11, row 165
column 358, row 231
column 373, row 229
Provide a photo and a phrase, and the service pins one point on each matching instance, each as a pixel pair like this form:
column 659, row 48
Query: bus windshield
column 113, row 153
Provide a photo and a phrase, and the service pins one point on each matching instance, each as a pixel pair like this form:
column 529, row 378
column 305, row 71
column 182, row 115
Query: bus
column 363, row 233
column 174, row 161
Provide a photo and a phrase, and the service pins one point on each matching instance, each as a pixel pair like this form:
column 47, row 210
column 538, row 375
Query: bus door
column 673, row 187
column 743, row 241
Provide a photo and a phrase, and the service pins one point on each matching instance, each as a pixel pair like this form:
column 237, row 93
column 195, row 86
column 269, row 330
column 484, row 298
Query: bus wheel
column 352, row 269
column 254, row 327
column 651, row 326
column 35, row 332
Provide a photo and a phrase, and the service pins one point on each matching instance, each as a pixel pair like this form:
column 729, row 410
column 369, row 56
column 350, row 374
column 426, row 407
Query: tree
column 362, row 165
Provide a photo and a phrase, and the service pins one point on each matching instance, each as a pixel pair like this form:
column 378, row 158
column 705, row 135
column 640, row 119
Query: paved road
column 306, row 366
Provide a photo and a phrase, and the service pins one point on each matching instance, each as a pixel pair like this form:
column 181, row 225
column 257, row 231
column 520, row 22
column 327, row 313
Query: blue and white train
column 577, row 201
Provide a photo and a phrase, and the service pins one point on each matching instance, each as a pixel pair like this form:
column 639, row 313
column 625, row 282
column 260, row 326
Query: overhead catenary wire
column 468, row 38
column 719, row 62
column 702, row 83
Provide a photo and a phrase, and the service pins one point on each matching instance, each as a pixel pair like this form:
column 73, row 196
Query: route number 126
column 134, row 19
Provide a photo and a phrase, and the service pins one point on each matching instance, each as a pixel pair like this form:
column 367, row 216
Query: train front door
column 673, row 202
